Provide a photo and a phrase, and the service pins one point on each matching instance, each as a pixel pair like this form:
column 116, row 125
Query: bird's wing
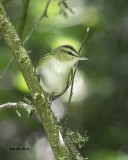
column 70, row 79
column 68, row 84
column 43, row 58
column 39, row 63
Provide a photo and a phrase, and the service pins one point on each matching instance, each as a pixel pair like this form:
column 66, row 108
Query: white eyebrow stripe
column 70, row 47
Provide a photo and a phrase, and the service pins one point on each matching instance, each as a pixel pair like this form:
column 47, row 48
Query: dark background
column 101, row 103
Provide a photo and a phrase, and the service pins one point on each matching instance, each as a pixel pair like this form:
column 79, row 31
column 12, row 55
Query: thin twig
column 14, row 105
column 38, row 22
column 64, row 7
column 71, row 91
column 24, row 17
column 6, row 68
column 29, row 35
column 86, row 35
column 71, row 146
column 28, row 107
column 21, row 29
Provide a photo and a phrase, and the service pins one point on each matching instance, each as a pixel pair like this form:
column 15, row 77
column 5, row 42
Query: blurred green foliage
column 104, row 111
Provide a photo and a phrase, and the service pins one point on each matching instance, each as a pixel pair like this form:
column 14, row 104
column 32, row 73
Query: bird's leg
column 31, row 107
column 49, row 98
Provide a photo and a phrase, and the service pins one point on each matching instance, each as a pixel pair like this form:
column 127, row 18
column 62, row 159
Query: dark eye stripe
column 70, row 47
column 70, row 53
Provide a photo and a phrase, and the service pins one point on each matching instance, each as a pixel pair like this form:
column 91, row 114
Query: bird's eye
column 70, row 53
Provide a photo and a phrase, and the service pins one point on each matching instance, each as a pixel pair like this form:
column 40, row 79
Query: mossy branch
column 21, row 57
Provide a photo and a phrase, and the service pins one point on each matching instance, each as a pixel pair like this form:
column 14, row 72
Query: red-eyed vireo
column 55, row 70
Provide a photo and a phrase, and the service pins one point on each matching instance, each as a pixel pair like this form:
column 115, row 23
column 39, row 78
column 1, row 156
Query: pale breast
column 54, row 76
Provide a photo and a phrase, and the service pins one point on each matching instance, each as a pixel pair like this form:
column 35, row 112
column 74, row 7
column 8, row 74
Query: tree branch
column 14, row 105
column 47, row 117
column 75, row 154
column 28, row 107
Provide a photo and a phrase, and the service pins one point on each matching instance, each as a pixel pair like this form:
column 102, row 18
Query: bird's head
column 67, row 53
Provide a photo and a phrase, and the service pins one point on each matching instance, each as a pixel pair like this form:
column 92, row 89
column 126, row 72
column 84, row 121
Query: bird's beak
column 83, row 58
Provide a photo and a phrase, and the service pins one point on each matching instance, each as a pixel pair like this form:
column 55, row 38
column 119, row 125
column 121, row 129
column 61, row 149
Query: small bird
column 55, row 70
